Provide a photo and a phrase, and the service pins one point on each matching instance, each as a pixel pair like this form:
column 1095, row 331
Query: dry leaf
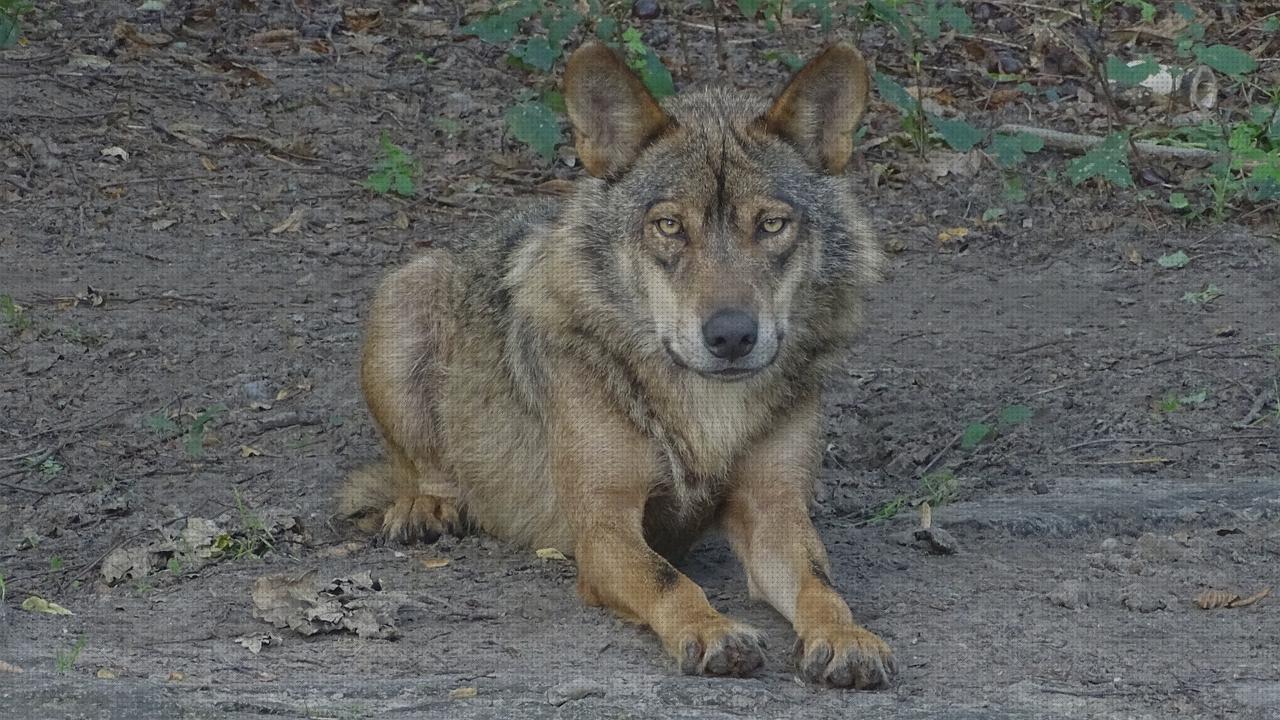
column 176, row 676
column 88, row 62
column 368, row 44
column 106, row 674
column 434, row 563
column 283, row 39
column 247, row 451
column 163, row 224
column 462, row 693
column 35, row 603
column 550, row 553
column 6, row 667
column 1212, row 599
column 255, row 642
column 125, row 563
column 926, row 516
column 309, row 606
column 1133, row 256
column 361, row 19
column 293, row 223
column 951, row 234
column 115, row 151
column 401, row 221
column 208, row 164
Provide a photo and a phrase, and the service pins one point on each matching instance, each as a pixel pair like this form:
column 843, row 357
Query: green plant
column 48, row 466
column 1208, row 294
column 1109, row 161
column 64, row 661
column 253, row 541
column 193, row 442
column 394, row 171
column 11, row 12
column 937, row 488
column 1173, row 401
column 15, row 315
column 55, row 563
column 976, row 433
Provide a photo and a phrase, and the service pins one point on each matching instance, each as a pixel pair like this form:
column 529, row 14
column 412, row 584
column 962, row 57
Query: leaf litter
column 200, row 541
column 308, row 605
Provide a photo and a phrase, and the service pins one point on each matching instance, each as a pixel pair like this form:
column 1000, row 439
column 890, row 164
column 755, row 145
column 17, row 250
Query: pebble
column 574, row 690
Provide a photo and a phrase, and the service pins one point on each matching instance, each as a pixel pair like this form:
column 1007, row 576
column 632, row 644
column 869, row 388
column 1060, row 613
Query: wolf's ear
column 821, row 107
column 612, row 113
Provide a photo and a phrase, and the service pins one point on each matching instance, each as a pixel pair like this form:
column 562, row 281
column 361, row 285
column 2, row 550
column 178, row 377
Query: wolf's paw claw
column 719, row 646
column 845, row 656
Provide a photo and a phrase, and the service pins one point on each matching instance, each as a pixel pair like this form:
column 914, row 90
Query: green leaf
column 1195, row 398
column 534, row 124
column 1185, row 11
column 161, row 424
column 1126, row 74
column 9, row 31
column 956, row 17
column 554, row 99
column 888, row 13
column 1175, row 261
column 749, row 8
column 993, row 214
column 656, row 77
column 538, row 53
column 973, row 435
column 1225, row 59
column 1178, row 201
column 1015, row 415
column 607, row 28
column 1109, row 161
column 493, row 29
column 379, row 182
column 1010, row 150
column 960, row 135
column 403, row 185
column 1272, row 24
column 894, row 93
column 559, row 29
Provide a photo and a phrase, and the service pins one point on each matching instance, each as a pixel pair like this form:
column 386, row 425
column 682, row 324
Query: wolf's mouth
column 729, row 374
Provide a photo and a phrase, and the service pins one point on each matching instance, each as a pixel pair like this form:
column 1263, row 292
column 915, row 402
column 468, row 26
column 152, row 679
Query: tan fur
column 552, row 381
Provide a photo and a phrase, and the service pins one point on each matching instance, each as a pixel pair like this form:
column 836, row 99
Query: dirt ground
column 183, row 228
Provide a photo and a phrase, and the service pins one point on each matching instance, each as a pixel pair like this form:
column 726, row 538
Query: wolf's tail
column 400, row 502
column 367, row 494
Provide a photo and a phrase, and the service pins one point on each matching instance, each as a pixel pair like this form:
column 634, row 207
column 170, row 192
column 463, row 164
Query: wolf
column 618, row 371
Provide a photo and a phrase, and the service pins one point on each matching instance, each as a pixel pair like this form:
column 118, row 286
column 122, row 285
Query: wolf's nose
column 729, row 333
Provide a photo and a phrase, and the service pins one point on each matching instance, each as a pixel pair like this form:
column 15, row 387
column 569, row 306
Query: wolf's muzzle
column 730, row 333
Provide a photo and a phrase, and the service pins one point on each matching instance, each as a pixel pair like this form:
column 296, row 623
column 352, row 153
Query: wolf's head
column 717, row 225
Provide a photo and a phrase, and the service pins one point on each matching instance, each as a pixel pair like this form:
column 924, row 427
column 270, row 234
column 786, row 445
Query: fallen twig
column 1076, row 142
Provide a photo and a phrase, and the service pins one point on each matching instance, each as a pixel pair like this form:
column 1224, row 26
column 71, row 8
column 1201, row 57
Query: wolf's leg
column 767, row 521
column 409, row 336
column 603, row 469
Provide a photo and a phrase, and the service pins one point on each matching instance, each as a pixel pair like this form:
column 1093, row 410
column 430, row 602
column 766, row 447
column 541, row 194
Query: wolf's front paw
column 845, row 656
column 420, row 517
column 719, row 646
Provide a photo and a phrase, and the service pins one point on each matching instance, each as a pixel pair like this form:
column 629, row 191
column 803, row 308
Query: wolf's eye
column 669, row 227
column 773, row 226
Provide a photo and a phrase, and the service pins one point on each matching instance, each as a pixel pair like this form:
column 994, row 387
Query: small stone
column 938, row 541
column 259, row 390
column 1071, row 594
column 574, row 690
column 646, row 9
column 1110, row 545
